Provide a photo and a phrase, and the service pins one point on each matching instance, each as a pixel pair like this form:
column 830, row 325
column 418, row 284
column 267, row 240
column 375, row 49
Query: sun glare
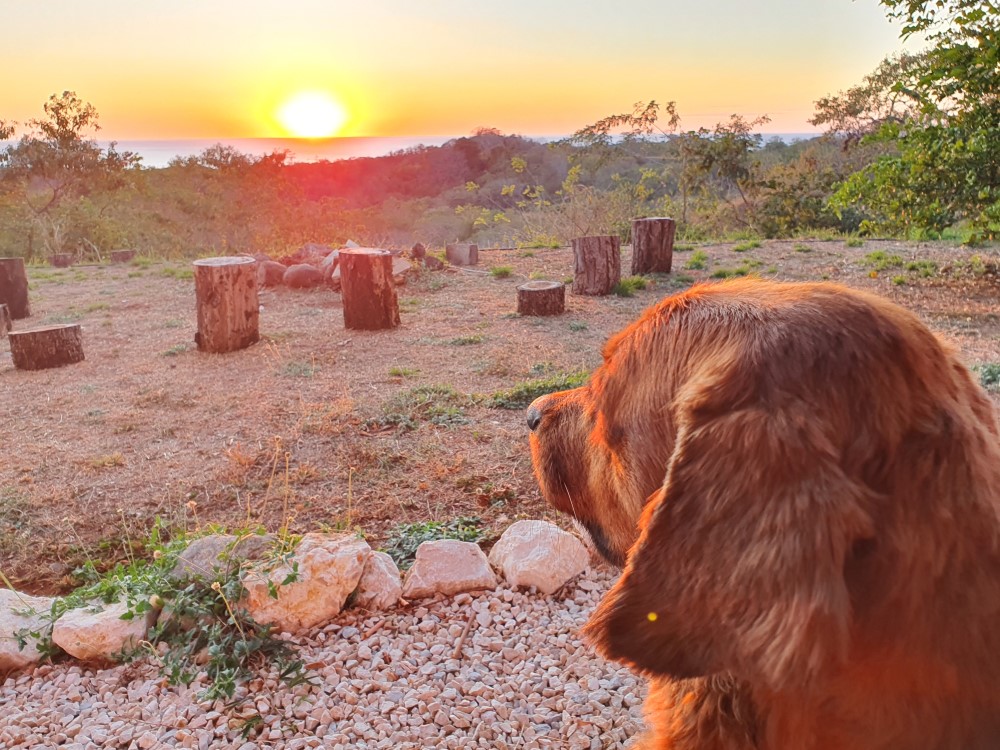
column 312, row 114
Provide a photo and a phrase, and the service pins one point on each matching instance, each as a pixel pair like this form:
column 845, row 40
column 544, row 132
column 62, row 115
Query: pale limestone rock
column 379, row 587
column 209, row 556
column 448, row 566
column 20, row 612
column 329, row 568
column 101, row 635
column 536, row 553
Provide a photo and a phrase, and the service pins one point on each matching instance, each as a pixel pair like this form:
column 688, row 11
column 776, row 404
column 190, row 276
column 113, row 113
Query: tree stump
column 367, row 289
column 42, row 348
column 652, row 245
column 597, row 264
column 228, row 310
column 541, row 298
column 122, row 256
column 61, row 260
column 14, row 287
column 462, row 255
column 5, row 325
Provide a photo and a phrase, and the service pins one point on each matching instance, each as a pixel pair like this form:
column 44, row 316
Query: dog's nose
column 534, row 416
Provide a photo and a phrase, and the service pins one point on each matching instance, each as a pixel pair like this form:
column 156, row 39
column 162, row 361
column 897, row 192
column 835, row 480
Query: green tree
column 946, row 167
column 57, row 181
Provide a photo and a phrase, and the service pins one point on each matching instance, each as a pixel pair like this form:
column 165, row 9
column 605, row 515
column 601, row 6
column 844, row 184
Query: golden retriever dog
column 803, row 486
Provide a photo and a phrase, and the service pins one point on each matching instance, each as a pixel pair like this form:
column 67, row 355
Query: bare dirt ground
column 318, row 427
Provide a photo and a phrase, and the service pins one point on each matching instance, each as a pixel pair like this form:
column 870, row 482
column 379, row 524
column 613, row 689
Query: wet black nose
column 533, row 416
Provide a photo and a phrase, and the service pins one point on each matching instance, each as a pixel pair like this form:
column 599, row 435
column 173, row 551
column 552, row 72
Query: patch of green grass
column 526, row 254
column 97, row 307
column 501, row 272
column 989, row 374
column 439, row 405
column 899, row 280
column 142, row 261
column 683, row 248
column 135, row 274
column 536, row 275
column 577, row 325
column 568, row 281
column 472, row 340
column 175, row 350
column 182, row 273
column 698, row 261
column 727, row 273
column 854, row 242
column 879, row 260
column 522, row 394
column 926, row 268
column 300, row 369
column 748, row 245
column 801, row 248
column 403, row 372
column 409, row 304
column 404, row 539
column 628, row 286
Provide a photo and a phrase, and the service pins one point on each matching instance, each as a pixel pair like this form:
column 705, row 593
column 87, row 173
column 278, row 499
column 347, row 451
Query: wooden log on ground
column 652, row 245
column 228, row 310
column 597, row 264
column 122, row 256
column 541, row 298
column 5, row 322
column 42, row 348
column 61, row 260
column 462, row 254
column 367, row 289
column 14, row 287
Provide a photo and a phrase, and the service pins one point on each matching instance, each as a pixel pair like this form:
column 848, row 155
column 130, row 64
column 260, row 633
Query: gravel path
column 524, row 680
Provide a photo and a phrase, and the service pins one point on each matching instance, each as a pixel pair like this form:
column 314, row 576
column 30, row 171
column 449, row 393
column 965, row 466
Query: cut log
column 5, row 325
column 367, row 289
column 42, row 348
column 228, row 310
column 61, row 260
column 541, row 298
column 462, row 255
column 597, row 264
column 652, row 245
column 122, row 256
column 14, row 287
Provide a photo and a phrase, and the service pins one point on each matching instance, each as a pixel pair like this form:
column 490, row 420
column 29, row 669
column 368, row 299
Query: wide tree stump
column 61, row 260
column 122, row 256
column 652, row 245
column 541, row 298
column 597, row 264
column 462, row 255
column 367, row 289
column 5, row 324
column 14, row 287
column 42, row 348
column 228, row 310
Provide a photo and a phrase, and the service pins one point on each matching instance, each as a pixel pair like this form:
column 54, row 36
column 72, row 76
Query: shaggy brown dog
column 804, row 486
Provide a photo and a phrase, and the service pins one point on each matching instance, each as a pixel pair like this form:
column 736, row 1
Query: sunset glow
column 312, row 114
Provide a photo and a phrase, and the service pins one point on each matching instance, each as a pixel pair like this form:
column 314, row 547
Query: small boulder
column 448, row 566
column 20, row 613
column 208, row 556
column 329, row 568
column 329, row 264
column 270, row 273
column 539, row 554
column 302, row 276
column 379, row 587
column 99, row 635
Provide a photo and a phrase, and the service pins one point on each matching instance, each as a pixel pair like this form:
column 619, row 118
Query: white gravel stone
column 553, row 692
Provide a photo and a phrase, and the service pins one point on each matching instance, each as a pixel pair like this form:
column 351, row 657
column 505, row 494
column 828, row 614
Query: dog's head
column 734, row 448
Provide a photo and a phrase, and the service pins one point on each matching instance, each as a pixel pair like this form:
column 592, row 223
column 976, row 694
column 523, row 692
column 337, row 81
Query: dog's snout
column 533, row 416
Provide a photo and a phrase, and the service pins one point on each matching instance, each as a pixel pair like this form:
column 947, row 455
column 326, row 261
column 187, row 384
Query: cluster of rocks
column 312, row 584
column 314, row 265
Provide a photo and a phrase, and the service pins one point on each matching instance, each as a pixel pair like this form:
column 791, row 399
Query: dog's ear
column 740, row 563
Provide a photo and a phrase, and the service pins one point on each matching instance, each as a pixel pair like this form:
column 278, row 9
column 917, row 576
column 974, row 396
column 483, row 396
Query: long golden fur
column 803, row 485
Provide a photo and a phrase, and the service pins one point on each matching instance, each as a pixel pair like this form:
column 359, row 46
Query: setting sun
column 312, row 114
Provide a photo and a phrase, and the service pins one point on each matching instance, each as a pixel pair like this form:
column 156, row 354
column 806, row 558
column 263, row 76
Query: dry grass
column 294, row 430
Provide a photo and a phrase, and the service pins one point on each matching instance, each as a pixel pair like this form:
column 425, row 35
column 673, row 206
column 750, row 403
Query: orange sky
column 222, row 69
